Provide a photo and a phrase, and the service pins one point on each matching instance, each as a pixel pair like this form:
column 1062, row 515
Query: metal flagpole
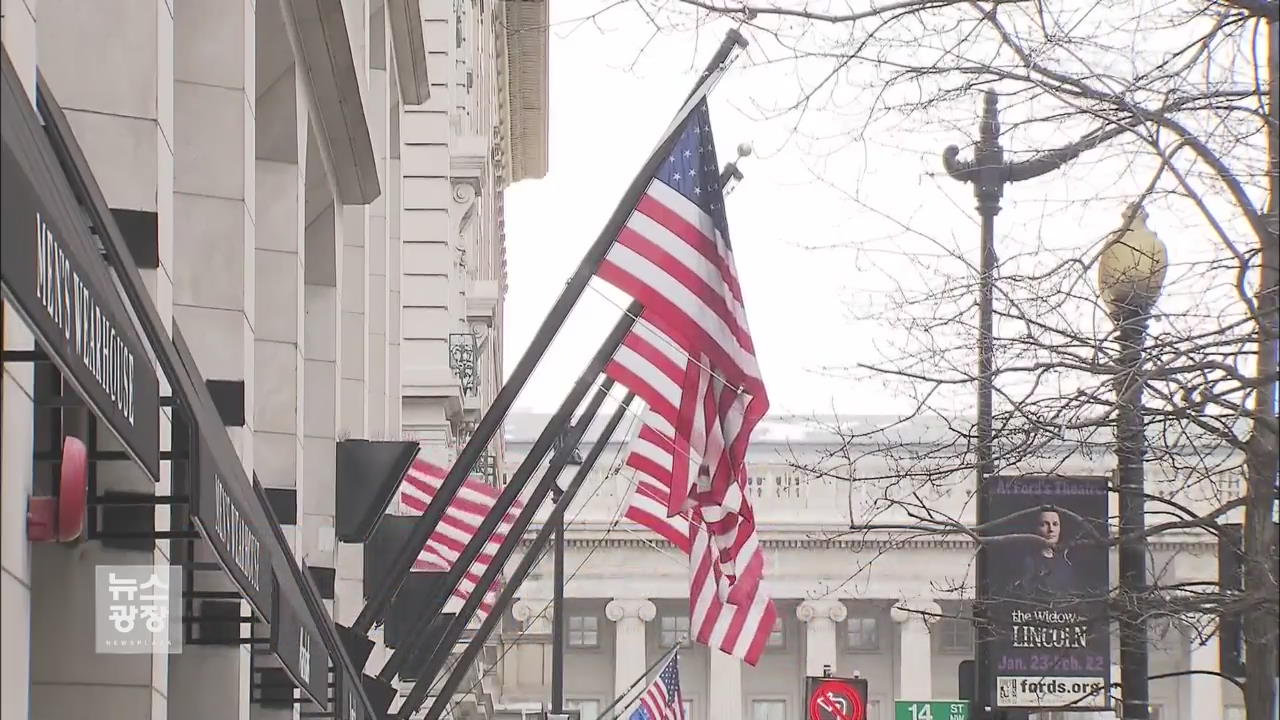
column 444, row 641
column 553, row 430
column 420, row 689
column 400, row 565
column 557, row 617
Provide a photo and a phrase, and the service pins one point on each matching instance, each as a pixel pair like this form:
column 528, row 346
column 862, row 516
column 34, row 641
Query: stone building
column 280, row 213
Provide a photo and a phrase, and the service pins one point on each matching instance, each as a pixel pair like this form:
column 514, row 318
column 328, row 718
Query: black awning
column 368, row 474
column 52, row 271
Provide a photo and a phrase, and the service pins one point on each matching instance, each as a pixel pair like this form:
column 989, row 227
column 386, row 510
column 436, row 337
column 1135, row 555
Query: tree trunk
column 1263, row 468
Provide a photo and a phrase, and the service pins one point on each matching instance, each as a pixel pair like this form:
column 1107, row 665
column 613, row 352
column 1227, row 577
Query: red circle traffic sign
column 834, row 700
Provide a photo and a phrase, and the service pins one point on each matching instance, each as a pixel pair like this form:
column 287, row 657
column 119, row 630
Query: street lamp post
column 988, row 172
column 1131, row 272
column 557, row 598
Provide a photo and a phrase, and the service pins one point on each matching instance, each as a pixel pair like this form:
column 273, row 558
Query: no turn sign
column 832, row 698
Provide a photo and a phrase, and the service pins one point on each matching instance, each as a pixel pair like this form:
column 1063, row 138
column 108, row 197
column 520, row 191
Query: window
column 587, row 709
column 777, row 638
column 873, row 710
column 674, row 629
column 768, row 710
column 688, row 710
column 863, row 633
column 584, row 631
column 955, row 635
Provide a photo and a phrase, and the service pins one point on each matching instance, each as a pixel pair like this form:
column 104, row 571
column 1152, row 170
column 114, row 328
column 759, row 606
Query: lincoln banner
column 1047, row 576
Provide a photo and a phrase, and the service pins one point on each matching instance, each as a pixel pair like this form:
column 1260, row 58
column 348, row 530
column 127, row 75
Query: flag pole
column 398, row 569
column 420, row 689
column 439, row 653
column 643, row 676
column 476, row 544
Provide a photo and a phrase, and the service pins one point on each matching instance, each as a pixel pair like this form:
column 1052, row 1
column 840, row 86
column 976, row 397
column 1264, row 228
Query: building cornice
column 405, row 18
column 318, row 31
column 640, row 540
column 527, row 87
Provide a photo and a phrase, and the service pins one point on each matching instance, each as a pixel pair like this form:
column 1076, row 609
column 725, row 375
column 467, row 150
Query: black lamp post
column 557, row 616
column 988, row 173
column 1131, row 272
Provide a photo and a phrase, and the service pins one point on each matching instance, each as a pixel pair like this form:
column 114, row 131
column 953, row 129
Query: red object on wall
column 60, row 518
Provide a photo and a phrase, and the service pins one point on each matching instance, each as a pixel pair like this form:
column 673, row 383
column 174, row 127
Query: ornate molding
column 465, row 189
column 534, row 614
column 619, row 609
column 807, row 543
column 832, row 610
column 924, row 611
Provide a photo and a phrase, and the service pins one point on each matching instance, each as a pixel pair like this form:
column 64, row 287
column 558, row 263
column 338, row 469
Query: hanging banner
column 1047, row 582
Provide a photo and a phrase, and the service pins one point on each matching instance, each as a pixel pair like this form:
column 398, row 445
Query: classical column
column 915, row 651
column 725, row 700
column 1206, row 690
column 629, row 617
column 821, row 617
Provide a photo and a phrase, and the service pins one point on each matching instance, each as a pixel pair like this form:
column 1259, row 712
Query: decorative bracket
column 463, row 361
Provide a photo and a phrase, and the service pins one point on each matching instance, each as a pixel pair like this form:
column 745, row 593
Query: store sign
column 234, row 534
column 301, row 649
column 54, row 275
column 1047, row 592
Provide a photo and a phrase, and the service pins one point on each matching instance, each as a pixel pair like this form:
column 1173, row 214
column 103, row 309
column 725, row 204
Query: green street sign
column 930, row 710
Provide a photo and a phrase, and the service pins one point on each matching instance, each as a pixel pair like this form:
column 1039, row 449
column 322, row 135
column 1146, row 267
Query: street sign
column 832, row 698
column 930, row 710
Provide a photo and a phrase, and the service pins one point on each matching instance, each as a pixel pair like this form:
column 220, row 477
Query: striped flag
column 662, row 700
column 673, row 255
column 459, row 524
column 740, row 630
column 650, row 364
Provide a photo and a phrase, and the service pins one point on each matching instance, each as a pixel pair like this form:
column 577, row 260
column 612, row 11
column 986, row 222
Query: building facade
column 890, row 607
column 284, row 211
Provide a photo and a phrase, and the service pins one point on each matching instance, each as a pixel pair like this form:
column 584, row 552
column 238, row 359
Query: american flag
column 459, row 524
column 740, row 630
column 674, row 256
column 662, row 699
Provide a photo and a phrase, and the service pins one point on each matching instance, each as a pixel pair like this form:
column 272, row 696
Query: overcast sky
column 609, row 102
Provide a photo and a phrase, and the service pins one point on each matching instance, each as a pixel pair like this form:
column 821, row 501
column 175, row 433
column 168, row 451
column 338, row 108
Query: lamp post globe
column 1132, row 266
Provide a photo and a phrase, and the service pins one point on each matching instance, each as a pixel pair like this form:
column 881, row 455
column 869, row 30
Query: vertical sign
column 1047, row 587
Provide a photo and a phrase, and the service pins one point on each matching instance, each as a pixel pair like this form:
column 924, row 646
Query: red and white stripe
column 740, row 629
column 460, row 522
column 649, row 363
